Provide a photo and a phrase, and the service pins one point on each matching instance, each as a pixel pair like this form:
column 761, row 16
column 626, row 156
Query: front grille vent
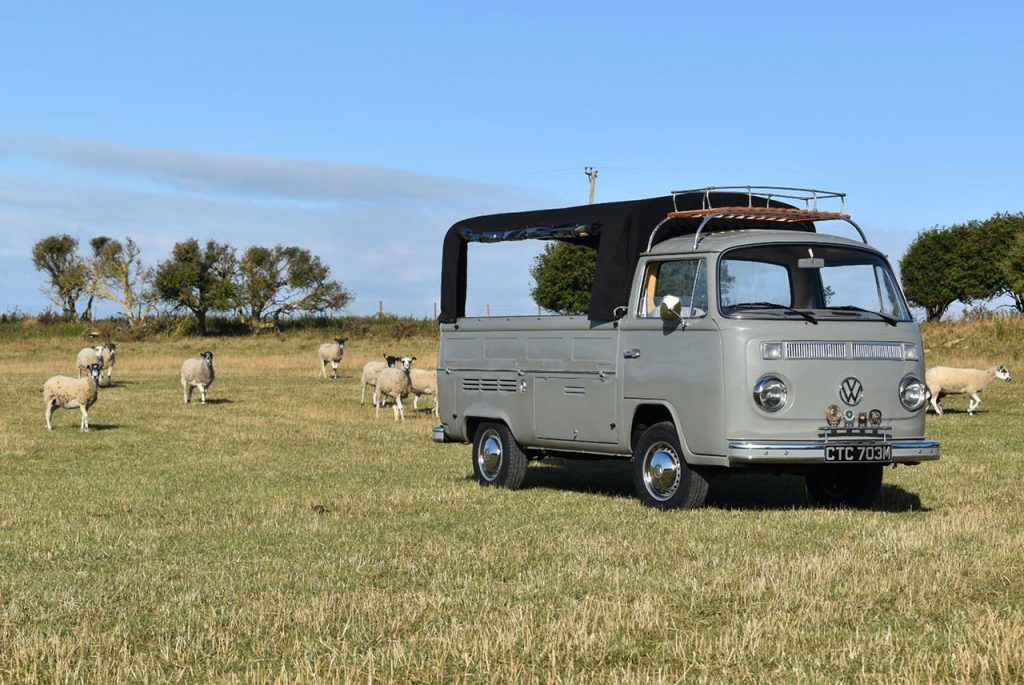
column 824, row 349
column 862, row 350
column 815, row 350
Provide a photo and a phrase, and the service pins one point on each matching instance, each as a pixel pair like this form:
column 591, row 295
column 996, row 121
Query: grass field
column 282, row 533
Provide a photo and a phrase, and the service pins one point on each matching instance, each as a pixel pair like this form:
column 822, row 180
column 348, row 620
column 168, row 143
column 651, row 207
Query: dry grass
column 281, row 533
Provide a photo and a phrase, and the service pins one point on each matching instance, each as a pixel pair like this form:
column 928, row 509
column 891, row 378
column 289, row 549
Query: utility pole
column 591, row 173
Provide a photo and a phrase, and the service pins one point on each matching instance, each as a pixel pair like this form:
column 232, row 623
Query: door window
column 685, row 280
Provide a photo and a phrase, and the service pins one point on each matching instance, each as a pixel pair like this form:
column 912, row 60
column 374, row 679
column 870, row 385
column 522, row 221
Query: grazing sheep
column 424, row 382
column 103, row 355
column 88, row 356
column 370, row 372
column 943, row 380
column 197, row 373
column 68, row 392
column 396, row 383
column 109, row 357
column 331, row 352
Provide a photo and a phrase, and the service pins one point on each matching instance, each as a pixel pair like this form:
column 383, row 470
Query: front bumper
column 438, row 434
column 763, row 452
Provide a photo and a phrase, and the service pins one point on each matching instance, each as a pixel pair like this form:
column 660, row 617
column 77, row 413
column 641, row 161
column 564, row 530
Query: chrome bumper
column 745, row 452
column 437, row 433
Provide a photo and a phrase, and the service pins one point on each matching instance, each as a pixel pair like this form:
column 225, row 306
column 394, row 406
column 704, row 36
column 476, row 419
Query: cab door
column 677, row 364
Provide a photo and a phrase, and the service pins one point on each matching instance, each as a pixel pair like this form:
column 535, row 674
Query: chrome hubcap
column 488, row 460
column 662, row 471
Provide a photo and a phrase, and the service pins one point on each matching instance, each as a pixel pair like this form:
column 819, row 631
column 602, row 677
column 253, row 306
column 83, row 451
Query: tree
column 952, row 263
column 924, row 268
column 564, row 275
column 197, row 279
column 118, row 276
column 1008, row 243
column 57, row 256
column 279, row 280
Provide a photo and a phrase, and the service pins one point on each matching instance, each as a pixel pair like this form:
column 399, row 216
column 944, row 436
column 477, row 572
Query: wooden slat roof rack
column 783, row 214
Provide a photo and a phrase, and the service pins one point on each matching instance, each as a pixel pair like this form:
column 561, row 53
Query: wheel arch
column 473, row 419
column 647, row 414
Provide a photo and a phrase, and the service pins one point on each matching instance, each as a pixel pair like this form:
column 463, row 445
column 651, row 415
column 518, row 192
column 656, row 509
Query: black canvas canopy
column 619, row 231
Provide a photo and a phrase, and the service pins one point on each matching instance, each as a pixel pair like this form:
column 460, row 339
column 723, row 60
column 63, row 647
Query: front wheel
column 660, row 474
column 498, row 461
column 845, row 486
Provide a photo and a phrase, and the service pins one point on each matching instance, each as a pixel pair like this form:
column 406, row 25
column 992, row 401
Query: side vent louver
column 489, row 385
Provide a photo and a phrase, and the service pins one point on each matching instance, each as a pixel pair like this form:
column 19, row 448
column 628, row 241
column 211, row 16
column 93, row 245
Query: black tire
column 661, row 476
column 854, row 486
column 498, row 461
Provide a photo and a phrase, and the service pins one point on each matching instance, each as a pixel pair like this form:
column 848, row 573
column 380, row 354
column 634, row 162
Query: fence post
column 488, row 310
column 380, row 311
column 435, row 310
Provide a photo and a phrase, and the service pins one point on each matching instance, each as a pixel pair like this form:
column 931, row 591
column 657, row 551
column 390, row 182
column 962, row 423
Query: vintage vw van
column 725, row 332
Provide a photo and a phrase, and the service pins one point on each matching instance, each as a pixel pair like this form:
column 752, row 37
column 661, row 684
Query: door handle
column 631, row 354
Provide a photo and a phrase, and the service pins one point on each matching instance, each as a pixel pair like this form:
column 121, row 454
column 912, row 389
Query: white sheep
column 331, row 352
column 197, row 373
column 109, row 357
column 71, row 393
column 104, row 355
column 424, row 382
column 943, row 380
column 370, row 372
column 396, row 383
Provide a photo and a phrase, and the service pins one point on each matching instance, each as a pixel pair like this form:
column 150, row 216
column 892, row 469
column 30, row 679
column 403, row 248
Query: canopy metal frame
column 809, row 196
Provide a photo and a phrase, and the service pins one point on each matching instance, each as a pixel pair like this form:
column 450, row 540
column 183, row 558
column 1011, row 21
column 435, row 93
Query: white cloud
column 380, row 230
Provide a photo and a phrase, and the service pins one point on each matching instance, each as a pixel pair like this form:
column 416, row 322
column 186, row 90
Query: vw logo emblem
column 851, row 391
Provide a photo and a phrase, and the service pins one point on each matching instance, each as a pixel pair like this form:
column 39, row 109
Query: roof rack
column 783, row 214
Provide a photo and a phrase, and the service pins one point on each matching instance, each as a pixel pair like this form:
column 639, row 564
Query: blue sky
column 363, row 132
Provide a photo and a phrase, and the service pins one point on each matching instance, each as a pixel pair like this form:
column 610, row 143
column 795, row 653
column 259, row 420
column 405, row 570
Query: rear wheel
column 660, row 474
column 845, row 486
column 498, row 461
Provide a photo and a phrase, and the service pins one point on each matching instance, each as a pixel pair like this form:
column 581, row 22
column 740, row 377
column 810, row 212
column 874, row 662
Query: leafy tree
column 926, row 267
column 1008, row 244
column 564, row 275
column 57, row 256
column 952, row 263
column 197, row 279
column 118, row 276
column 280, row 280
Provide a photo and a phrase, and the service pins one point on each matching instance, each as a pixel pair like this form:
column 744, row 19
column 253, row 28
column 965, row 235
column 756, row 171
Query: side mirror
column 671, row 309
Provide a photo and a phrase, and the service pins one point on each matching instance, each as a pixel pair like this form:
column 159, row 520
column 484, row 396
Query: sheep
column 197, row 373
column 331, row 352
column 370, row 372
column 88, row 356
column 943, row 380
column 424, row 382
column 109, row 357
column 68, row 392
column 395, row 382
column 103, row 355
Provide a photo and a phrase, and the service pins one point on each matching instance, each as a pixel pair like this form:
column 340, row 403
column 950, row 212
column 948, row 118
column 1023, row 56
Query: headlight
column 770, row 393
column 912, row 393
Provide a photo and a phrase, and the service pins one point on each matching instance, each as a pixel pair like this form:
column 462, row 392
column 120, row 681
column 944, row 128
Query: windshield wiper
column 807, row 316
column 853, row 308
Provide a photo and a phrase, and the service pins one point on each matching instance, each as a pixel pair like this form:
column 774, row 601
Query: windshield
column 794, row 280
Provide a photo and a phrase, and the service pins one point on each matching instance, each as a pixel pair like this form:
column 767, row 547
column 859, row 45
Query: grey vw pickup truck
column 724, row 332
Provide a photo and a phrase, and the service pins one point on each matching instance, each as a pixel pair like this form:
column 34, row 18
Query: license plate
column 852, row 454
